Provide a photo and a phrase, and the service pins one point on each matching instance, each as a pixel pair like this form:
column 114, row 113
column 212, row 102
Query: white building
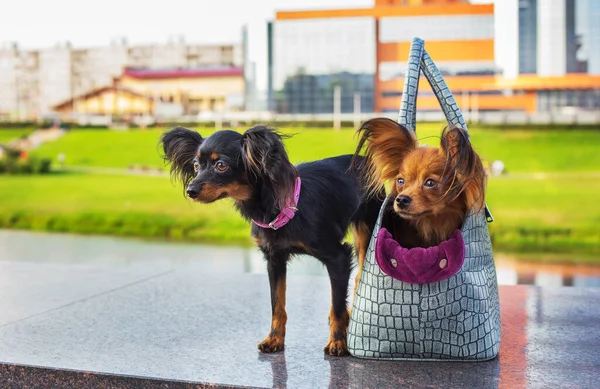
column 54, row 77
column 32, row 81
column 557, row 41
column 550, row 38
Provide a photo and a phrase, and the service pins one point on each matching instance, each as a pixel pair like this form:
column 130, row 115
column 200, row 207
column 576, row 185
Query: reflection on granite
column 155, row 326
column 33, row 377
column 28, row 246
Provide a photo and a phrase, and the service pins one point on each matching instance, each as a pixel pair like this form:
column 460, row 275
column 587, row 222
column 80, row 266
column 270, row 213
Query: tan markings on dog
column 198, row 154
column 302, row 246
column 338, row 328
column 276, row 339
column 362, row 235
column 260, row 242
column 466, row 168
column 387, row 143
column 250, row 159
column 214, row 156
column 209, row 193
column 257, row 240
column 235, row 190
column 238, row 192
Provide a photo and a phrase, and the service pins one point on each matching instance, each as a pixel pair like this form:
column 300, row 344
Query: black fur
column 179, row 148
column 264, row 157
column 331, row 199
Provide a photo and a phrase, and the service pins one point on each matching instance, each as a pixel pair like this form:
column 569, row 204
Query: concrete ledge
column 183, row 325
column 21, row 376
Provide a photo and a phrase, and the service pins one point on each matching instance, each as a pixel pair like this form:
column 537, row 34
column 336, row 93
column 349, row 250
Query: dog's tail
column 360, row 167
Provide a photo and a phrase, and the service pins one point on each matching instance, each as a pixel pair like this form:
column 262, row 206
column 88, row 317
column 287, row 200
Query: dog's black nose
column 403, row 201
column 193, row 191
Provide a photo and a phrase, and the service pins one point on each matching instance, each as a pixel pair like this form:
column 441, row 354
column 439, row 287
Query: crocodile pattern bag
column 455, row 317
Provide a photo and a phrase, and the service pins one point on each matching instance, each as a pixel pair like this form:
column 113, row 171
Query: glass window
column 436, row 28
column 527, row 36
column 587, row 21
column 311, row 57
column 391, row 70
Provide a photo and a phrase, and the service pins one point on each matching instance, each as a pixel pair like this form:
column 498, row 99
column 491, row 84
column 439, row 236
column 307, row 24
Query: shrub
column 11, row 163
column 25, row 166
column 43, row 166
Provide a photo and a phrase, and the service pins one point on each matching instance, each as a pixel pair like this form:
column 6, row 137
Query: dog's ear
column 387, row 143
column 464, row 171
column 264, row 157
column 180, row 146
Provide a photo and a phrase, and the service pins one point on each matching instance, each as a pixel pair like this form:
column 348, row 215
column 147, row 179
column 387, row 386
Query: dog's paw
column 271, row 344
column 336, row 348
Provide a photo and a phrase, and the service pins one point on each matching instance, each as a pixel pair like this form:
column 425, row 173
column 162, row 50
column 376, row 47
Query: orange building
column 364, row 51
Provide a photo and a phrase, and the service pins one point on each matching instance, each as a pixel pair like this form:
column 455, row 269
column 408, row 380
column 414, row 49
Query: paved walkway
column 37, row 137
column 137, row 324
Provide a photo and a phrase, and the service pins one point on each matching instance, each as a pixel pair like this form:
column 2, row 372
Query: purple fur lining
column 419, row 265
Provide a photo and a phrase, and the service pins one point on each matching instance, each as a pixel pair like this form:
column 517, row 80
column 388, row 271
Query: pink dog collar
column 286, row 213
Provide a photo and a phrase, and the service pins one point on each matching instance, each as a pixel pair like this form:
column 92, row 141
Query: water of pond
column 92, row 250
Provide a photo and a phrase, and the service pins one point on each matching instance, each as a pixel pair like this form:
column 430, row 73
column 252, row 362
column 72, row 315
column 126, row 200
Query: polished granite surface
column 180, row 325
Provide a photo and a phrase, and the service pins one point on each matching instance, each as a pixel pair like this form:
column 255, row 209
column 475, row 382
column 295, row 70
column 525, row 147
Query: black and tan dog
column 304, row 209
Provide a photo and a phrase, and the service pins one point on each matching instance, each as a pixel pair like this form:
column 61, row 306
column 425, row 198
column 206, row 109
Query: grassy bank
column 546, row 213
column 546, row 204
column 532, row 214
column 117, row 205
column 6, row 135
column 521, row 150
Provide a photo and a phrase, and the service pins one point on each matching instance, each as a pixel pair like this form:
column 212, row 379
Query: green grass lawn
column 7, row 135
column 552, row 212
column 558, row 213
column 115, row 204
column 521, row 150
column 532, row 215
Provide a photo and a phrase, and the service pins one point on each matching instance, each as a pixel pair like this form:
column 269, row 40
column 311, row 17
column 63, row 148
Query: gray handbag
column 457, row 318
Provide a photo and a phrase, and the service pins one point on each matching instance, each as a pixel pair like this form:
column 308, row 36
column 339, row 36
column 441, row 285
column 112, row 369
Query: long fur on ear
column 387, row 144
column 264, row 155
column 180, row 146
column 464, row 171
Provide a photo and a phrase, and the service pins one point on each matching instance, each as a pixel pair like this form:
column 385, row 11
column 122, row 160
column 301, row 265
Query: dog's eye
column 196, row 166
column 400, row 181
column 429, row 183
column 221, row 166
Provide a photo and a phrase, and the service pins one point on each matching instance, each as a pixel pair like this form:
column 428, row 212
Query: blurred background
column 87, row 90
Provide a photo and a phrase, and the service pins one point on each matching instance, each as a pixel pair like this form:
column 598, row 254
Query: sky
column 43, row 23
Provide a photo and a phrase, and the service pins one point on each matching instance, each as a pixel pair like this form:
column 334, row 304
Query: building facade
column 160, row 94
column 313, row 55
column 558, row 45
column 107, row 101
column 194, row 91
column 515, row 55
column 33, row 81
column 19, row 80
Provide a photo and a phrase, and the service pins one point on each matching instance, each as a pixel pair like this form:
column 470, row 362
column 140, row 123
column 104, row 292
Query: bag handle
column 451, row 110
column 419, row 61
column 408, row 106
